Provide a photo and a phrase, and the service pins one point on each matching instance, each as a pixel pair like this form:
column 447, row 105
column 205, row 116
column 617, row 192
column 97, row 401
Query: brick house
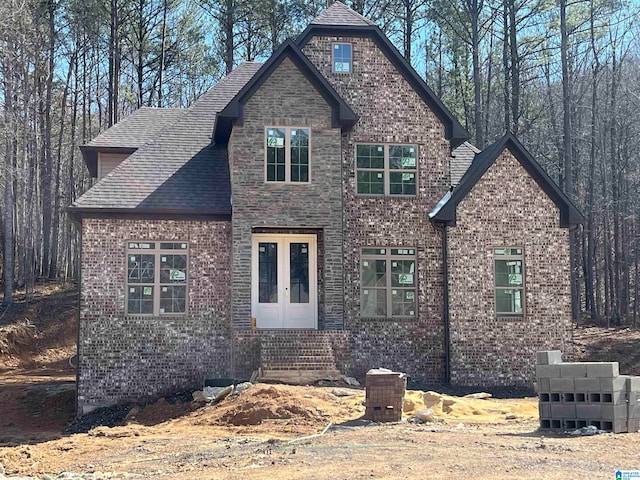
column 320, row 212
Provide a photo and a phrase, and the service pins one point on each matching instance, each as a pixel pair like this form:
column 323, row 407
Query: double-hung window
column 342, row 61
column 388, row 282
column 287, row 154
column 509, row 282
column 383, row 169
column 156, row 278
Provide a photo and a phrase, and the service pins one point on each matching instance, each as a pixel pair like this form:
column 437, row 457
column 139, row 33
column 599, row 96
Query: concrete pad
column 603, row 369
column 573, row 369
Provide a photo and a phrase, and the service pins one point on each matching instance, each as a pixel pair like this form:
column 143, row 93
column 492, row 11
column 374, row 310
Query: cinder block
column 589, row 411
column 587, row 384
column 620, row 425
column 633, row 425
column 548, row 371
column 633, row 383
column 549, row 357
column 562, row 384
column 544, row 410
column 543, row 385
column 634, row 410
column 562, row 410
column 603, row 369
column 573, row 369
column 612, row 412
column 612, row 383
column 617, row 397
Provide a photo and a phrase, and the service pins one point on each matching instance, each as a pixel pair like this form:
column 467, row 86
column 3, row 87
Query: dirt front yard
column 278, row 431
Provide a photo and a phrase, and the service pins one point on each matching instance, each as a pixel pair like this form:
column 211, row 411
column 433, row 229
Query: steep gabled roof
column 129, row 134
column 339, row 14
column 446, row 213
column 454, row 131
column 342, row 114
column 179, row 172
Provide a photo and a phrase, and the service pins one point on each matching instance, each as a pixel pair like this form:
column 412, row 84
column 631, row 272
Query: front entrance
column 284, row 281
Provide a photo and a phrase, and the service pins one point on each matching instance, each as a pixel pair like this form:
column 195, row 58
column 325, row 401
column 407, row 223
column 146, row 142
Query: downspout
column 445, row 311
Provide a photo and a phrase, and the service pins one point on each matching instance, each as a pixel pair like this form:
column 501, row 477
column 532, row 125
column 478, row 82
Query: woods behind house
column 563, row 76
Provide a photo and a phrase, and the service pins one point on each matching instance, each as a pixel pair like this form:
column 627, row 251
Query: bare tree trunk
column 567, row 148
column 8, row 263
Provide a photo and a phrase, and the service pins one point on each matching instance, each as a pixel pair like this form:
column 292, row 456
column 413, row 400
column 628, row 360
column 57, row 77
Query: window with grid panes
column 509, row 282
column 342, row 61
column 384, row 169
column 287, row 154
column 156, row 278
column 388, row 282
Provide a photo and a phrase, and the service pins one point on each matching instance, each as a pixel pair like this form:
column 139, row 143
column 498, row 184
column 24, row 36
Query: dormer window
column 342, row 61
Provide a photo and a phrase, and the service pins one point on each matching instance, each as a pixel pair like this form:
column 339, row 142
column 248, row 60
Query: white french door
column 284, row 281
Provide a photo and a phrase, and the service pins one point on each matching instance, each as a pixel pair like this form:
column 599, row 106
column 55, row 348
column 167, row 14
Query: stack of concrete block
column 384, row 395
column 578, row 394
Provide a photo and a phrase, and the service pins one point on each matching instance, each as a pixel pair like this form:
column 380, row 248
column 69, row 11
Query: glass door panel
column 268, row 272
column 299, row 272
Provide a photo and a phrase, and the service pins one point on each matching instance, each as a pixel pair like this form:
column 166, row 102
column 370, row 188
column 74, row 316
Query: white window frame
column 411, row 253
column 157, row 285
column 497, row 256
column 333, row 58
column 387, row 169
column 287, row 154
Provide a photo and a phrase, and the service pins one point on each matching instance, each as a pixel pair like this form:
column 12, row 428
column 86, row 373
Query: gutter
column 445, row 312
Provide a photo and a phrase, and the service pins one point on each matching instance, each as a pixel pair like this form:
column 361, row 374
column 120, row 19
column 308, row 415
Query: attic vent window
column 342, row 60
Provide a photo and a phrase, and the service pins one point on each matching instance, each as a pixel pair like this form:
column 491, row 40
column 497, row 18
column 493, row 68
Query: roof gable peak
column 342, row 114
column 339, row 14
column 569, row 214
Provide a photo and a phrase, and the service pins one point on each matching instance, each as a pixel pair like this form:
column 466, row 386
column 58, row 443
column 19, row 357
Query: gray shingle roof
column 181, row 170
column 461, row 158
column 137, row 128
column 340, row 14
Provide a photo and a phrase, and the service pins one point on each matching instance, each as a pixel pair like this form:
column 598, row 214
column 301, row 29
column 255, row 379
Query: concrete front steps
column 296, row 357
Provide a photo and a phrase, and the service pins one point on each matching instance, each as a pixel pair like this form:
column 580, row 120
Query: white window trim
column 333, row 58
column 496, row 287
column 157, row 252
column 287, row 154
column 387, row 170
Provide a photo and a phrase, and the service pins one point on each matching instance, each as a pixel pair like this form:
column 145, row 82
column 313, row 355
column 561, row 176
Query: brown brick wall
column 390, row 112
column 506, row 208
column 130, row 357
